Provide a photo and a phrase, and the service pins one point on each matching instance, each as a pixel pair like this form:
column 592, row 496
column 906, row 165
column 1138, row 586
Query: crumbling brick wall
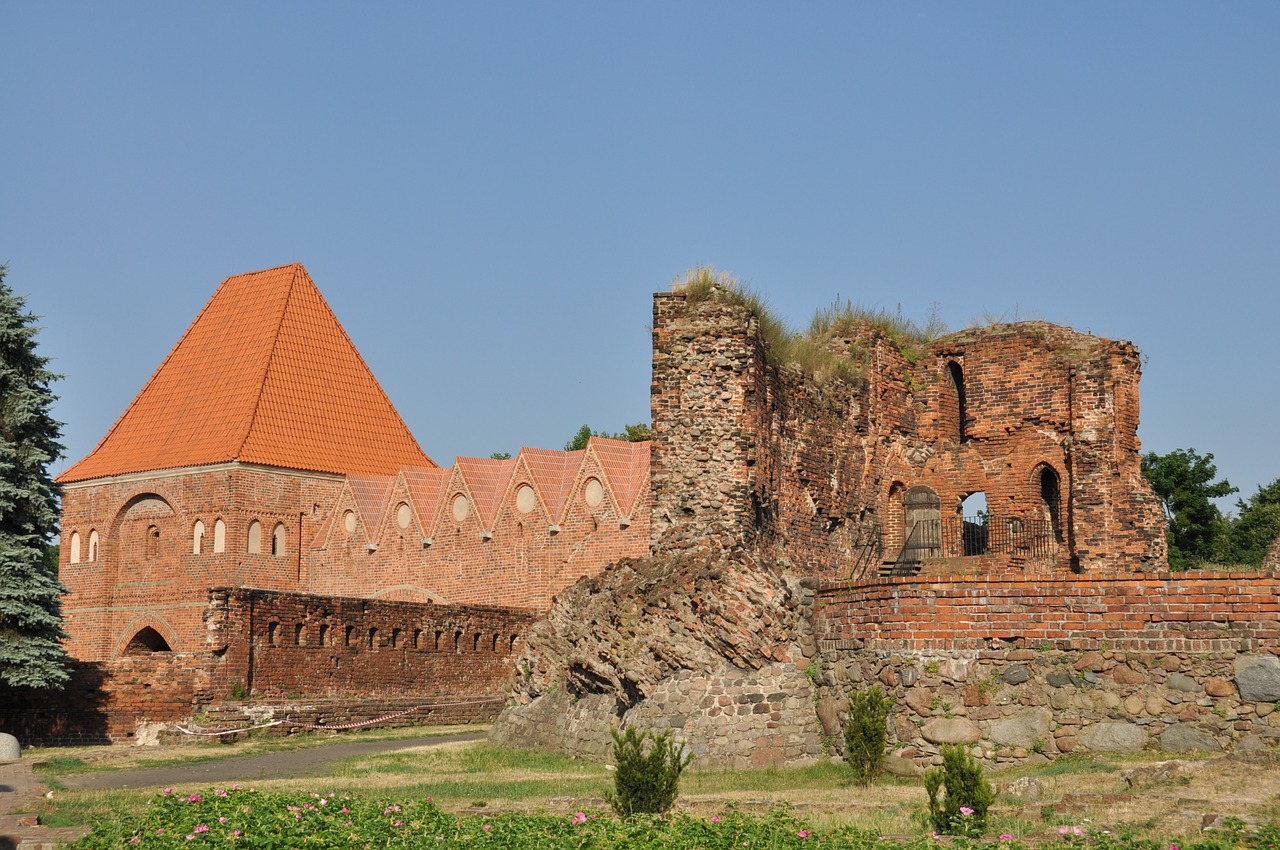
column 1039, row 418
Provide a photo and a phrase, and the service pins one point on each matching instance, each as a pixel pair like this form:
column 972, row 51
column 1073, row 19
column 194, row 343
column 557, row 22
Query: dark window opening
column 273, row 633
column 373, row 638
column 146, row 641
column 300, row 635
column 324, row 634
column 957, row 379
column 1051, row 500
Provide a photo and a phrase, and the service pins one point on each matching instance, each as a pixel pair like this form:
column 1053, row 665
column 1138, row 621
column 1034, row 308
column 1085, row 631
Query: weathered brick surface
column 145, row 574
column 1211, row 612
column 746, row 453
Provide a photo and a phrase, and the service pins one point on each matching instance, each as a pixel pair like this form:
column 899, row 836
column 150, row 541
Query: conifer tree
column 30, row 605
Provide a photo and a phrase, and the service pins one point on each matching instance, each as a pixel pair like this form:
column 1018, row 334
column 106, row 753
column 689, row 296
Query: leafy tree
column 30, row 606
column 1184, row 481
column 636, row 433
column 1258, row 525
column 501, row 455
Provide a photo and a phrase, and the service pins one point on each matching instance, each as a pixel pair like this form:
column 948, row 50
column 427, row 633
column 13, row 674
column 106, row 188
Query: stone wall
column 1029, row 669
column 715, row 649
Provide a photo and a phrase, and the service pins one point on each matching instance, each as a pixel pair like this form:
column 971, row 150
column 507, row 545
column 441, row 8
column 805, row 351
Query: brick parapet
column 1224, row 612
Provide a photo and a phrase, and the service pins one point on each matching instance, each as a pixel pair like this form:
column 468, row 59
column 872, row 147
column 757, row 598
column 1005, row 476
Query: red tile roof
column 487, row 479
column 553, row 475
column 264, row 375
column 627, row 467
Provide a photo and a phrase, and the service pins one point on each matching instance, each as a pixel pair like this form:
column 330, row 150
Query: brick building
column 264, row 454
column 874, row 475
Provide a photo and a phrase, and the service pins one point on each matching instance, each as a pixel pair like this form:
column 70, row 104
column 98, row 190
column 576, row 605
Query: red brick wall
column 1211, row 612
column 281, row 644
column 748, row 453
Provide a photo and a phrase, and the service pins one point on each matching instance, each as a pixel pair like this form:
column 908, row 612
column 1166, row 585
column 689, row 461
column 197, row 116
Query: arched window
column 219, row 536
column 152, row 541
column 973, row 524
column 93, row 545
column 277, row 539
column 300, row 634
column 146, row 641
column 1051, row 500
column 75, row 547
column 324, row 634
column 957, row 380
column 197, row 537
column 273, row 633
column 255, row 538
column 373, row 637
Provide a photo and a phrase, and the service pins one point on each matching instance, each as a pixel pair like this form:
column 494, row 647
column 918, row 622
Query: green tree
column 636, row 433
column 1184, row 481
column 31, row 653
column 647, row 768
column 501, row 456
column 1256, row 527
column 866, row 734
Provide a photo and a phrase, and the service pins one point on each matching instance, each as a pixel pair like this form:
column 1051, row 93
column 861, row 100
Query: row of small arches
column 253, row 539
column 75, row 546
column 279, row 634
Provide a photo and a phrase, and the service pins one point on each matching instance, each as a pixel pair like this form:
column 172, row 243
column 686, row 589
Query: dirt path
column 308, row 761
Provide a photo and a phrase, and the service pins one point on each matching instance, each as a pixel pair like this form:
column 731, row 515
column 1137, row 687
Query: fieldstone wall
column 1016, row 705
column 715, row 649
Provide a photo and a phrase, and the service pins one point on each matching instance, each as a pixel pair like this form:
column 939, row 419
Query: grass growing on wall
column 822, row 352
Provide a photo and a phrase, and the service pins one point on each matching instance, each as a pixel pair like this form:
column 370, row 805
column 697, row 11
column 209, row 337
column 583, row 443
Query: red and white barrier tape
column 340, row 726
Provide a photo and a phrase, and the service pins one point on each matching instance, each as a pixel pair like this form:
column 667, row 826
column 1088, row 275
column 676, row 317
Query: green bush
column 963, row 807
column 645, row 780
column 866, row 733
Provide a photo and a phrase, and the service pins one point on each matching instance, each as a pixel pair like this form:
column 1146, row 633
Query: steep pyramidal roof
column 264, row 375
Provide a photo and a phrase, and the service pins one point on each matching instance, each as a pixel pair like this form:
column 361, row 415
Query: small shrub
column 967, row 795
column 646, row 780
column 866, row 733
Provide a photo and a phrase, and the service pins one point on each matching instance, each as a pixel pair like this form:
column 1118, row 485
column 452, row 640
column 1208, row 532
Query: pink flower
column 966, row 811
column 160, row 831
column 135, row 839
column 168, row 790
column 235, row 833
column 1004, row 836
column 579, row 818
column 1173, row 847
column 190, row 837
column 222, row 819
column 715, row 819
column 1075, row 830
column 398, row 823
column 486, row 827
column 201, row 828
column 344, row 810
column 936, row 836
column 1063, row 830
column 804, row 833
column 219, row 792
column 195, row 798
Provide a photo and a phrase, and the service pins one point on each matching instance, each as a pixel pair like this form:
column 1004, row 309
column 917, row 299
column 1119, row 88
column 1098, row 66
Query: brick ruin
column 1047, row 623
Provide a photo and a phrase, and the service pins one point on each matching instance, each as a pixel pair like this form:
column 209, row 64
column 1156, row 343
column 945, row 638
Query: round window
column 593, row 492
column 349, row 521
column 526, row 499
column 403, row 515
column 461, row 507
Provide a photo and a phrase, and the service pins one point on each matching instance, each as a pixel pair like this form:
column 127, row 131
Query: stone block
column 9, row 748
column 1258, row 678
column 1112, row 736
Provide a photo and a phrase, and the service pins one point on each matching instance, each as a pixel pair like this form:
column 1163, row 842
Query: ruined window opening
column 438, row 636
column 300, row 635
column 457, row 642
column 395, row 638
column 146, row 641
column 494, row 648
column 277, row 539
column 219, row 537
column 153, row 541
column 475, row 642
column 974, row 539
column 75, row 547
column 273, row 633
column 957, row 380
column 324, row 634
column 417, row 638
column 373, row 637
column 349, row 635
column 1051, row 499
column 255, row 538
column 197, row 537
column 93, row 545
column 514, row 638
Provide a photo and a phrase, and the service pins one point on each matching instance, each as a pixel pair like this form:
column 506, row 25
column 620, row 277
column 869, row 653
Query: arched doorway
column 922, row 526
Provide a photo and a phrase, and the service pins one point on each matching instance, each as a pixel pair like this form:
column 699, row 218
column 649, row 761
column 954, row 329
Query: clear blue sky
column 488, row 193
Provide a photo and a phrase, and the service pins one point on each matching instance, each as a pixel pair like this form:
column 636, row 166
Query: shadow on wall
column 75, row 715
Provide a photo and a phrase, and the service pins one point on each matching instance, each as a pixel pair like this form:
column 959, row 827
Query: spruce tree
column 31, row 653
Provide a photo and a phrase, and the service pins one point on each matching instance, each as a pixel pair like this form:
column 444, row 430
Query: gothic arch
column 145, row 631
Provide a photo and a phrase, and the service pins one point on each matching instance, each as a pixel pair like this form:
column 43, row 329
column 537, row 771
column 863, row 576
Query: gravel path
column 286, row 764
